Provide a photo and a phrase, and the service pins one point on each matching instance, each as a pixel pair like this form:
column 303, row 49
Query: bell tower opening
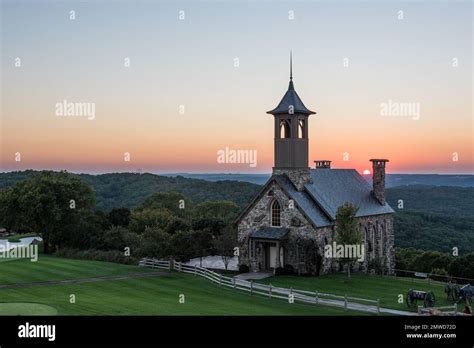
column 285, row 129
column 301, row 129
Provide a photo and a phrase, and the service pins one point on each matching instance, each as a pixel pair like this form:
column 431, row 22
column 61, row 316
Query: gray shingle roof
column 291, row 98
column 332, row 188
column 304, row 201
column 275, row 233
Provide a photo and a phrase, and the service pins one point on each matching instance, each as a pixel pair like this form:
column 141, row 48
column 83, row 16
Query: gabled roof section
column 302, row 200
column 331, row 188
column 291, row 98
column 311, row 210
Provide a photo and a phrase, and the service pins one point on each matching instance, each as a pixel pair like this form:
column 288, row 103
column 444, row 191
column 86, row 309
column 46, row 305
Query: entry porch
column 267, row 249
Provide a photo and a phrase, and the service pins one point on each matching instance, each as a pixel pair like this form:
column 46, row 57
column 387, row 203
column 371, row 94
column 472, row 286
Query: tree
column 347, row 232
column 225, row 244
column 141, row 219
column 51, row 204
column 119, row 217
column 214, row 216
column 183, row 245
column 223, row 210
column 119, row 238
column 202, row 243
column 174, row 202
column 176, row 224
column 155, row 243
column 462, row 266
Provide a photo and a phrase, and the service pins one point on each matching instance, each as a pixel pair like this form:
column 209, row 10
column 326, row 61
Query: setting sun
column 366, row 172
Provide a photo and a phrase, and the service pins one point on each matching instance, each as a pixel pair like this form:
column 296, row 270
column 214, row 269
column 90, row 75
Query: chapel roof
column 331, row 188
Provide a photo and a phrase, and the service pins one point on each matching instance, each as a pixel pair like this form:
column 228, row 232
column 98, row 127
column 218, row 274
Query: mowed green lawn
column 371, row 287
column 53, row 268
column 137, row 296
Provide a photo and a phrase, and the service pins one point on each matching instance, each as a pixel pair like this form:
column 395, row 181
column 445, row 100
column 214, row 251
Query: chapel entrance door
column 272, row 256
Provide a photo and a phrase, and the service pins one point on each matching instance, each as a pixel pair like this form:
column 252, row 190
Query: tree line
column 61, row 208
column 435, row 262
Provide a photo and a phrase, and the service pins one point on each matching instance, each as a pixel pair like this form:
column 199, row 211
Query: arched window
column 368, row 239
column 382, row 238
column 275, row 213
column 284, row 129
column 373, row 240
column 301, row 130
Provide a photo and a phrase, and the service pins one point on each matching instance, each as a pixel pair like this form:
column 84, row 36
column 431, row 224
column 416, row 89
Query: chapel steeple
column 291, row 130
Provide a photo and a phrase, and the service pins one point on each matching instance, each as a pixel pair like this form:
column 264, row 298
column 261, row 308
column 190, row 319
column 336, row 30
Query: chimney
column 323, row 164
column 378, row 179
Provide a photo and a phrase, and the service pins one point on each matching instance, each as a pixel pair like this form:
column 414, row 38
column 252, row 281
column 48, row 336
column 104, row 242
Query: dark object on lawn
column 452, row 292
column 243, row 268
column 286, row 270
column 466, row 293
column 413, row 296
column 279, row 271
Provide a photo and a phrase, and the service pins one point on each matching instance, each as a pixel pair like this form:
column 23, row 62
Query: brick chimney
column 378, row 179
column 323, row 164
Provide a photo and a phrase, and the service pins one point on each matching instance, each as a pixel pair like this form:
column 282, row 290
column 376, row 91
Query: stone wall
column 299, row 177
column 301, row 231
column 304, row 247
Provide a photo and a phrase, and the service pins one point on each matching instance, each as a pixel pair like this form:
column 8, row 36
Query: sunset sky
column 424, row 58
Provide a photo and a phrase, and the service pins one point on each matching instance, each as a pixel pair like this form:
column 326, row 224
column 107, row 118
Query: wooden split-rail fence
column 314, row 297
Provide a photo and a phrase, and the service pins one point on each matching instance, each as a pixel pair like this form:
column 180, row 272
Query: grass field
column 136, row 296
column 52, row 268
column 371, row 287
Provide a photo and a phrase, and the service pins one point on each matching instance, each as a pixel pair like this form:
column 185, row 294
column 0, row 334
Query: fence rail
column 305, row 296
column 422, row 277
column 445, row 310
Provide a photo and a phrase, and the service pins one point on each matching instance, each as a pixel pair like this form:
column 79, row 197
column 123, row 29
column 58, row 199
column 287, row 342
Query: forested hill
column 432, row 217
column 130, row 189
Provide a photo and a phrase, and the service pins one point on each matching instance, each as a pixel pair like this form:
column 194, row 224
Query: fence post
column 179, row 266
column 316, row 296
column 251, row 287
column 169, row 264
column 378, row 306
column 270, row 291
column 220, row 279
column 455, row 309
column 233, row 280
column 195, row 270
column 345, row 301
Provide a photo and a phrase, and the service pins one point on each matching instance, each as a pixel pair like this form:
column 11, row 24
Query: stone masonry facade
column 303, row 248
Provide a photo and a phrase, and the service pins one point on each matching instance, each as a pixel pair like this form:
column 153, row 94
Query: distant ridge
column 393, row 180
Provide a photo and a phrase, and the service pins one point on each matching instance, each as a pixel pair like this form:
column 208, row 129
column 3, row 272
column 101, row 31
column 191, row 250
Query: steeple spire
column 291, row 66
column 291, row 87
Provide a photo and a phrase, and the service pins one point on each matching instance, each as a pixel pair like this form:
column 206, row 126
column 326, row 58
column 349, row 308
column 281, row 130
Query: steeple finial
column 290, row 86
column 291, row 66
